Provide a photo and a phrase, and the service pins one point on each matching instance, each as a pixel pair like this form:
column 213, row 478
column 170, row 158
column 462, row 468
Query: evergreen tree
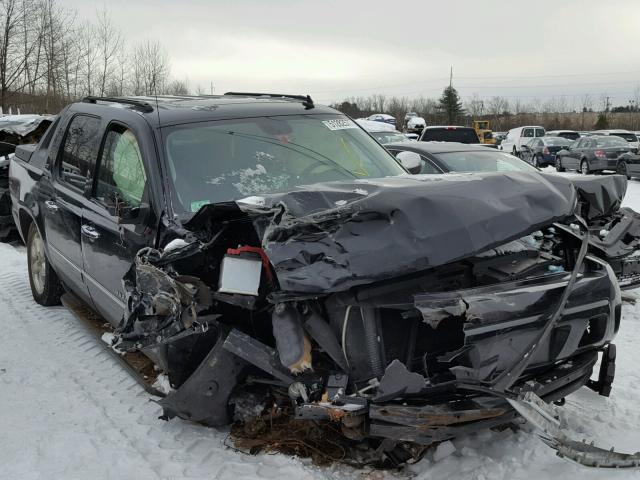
column 450, row 105
column 602, row 123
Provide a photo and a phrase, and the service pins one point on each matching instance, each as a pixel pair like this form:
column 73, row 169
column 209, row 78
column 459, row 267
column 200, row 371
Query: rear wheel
column 559, row 166
column 584, row 167
column 622, row 170
column 45, row 285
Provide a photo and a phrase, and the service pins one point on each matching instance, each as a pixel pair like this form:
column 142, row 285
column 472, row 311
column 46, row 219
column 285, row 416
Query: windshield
column 228, row 160
column 490, row 161
column 612, row 141
column 462, row 135
column 389, row 137
column 629, row 137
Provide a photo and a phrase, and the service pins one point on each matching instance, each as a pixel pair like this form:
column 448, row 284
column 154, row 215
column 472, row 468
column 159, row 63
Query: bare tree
column 12, row 56
column 475, row 106
column 109, row 45
column 177, row 87
column 150, row 68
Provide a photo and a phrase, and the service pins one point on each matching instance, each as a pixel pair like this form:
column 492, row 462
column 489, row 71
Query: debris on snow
column 444, row 450
column 162, row 384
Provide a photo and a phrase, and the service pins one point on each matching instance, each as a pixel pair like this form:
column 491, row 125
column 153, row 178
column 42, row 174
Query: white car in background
column 383, row 133
column 416, row 125
column 516, row 137
column 383, row 118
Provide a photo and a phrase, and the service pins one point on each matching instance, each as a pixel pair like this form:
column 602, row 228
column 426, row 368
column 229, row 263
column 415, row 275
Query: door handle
column 89, row 232
column 51, row 205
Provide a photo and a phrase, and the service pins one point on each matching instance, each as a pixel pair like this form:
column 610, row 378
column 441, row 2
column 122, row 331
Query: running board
column 135, row 363
column 549, row 428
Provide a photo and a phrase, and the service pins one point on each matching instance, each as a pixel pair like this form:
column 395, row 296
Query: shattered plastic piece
column 604, row 233
column 174, row 244
column 444, row 450
column 398, row 381
column 437, row 309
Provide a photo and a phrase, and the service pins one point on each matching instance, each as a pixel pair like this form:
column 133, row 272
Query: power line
column 503, row 77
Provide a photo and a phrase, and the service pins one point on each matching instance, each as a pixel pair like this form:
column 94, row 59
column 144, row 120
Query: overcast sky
column 334, row 49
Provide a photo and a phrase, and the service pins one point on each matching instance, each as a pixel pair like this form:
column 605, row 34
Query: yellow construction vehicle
column 484, row 132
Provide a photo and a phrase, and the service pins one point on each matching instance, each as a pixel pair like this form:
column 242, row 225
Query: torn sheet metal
column 23, row 125
column 552, row 432
column 599, row 195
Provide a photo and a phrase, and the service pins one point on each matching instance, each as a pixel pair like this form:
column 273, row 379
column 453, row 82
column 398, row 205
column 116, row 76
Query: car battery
column 240, row 271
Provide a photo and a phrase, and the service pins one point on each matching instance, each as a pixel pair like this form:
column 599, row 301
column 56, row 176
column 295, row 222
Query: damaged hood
column 22, row 125
column 602, row 195
column 329, row 237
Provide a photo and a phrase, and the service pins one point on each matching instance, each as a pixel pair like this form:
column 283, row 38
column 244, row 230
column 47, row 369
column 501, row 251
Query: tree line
column 584, row 113
column 48, row 59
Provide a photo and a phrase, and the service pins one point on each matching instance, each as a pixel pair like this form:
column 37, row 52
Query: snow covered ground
column 69, row 411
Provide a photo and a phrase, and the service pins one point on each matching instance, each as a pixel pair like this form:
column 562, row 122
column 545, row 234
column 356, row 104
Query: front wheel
column 515, row 153
column 559, row 166
column 622, row 170
column 45, row 285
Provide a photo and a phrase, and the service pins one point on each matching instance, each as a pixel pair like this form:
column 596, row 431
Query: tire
column 515, row 153
column 534, row 161
column 622, row 170
column 45, row 285
column 584, row 167
column 559, row 167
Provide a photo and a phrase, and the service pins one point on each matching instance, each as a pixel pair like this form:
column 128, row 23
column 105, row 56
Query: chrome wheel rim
column 37, row 263
column 585, row 168
column 535, row 161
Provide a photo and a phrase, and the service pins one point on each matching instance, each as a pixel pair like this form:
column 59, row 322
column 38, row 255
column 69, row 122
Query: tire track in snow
column 99, row 404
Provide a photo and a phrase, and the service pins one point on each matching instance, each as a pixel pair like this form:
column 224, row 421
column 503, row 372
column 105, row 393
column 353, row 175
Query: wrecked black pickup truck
column 279, row 267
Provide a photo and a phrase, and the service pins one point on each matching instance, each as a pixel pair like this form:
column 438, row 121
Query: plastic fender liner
column 204, row 396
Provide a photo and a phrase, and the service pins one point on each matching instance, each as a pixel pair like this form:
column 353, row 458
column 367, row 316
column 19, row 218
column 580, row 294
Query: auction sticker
column 339, row 124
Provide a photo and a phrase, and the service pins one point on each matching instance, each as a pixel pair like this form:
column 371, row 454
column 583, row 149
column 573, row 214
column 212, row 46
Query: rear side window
column 121, row 175
column 629, row 137
column 462, row 135
column 79, row 152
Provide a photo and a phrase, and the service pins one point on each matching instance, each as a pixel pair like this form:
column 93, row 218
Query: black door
column 63, row 212
column 113, row 228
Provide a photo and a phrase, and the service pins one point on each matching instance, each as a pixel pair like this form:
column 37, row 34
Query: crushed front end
column 352, row 318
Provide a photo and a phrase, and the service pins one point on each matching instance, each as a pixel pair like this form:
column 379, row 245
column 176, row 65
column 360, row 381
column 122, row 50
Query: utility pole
column 451, row 78
column 212, row 89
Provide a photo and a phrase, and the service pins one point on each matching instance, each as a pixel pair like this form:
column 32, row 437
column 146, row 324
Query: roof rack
column 305, row 99
column 139, row 104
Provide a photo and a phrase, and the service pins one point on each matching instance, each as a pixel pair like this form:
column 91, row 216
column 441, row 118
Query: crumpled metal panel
column 22, row 125
column 329, row 237
column 602, row 194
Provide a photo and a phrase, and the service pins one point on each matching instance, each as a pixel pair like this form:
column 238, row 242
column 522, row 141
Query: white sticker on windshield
column 339, row 124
